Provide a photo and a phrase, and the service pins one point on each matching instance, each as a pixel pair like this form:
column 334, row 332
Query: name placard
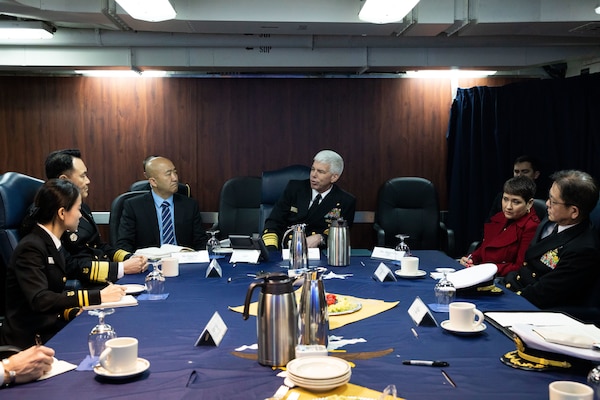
column 387, row 254
column 214, row 269
column 420, row 313
column 383, row 273
column 213, row 333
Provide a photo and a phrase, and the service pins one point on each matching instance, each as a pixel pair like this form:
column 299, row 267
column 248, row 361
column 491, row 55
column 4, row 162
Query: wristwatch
column 323, row 243
column 9, row 376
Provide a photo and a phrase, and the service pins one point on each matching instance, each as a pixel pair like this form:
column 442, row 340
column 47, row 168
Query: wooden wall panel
column 215, row 129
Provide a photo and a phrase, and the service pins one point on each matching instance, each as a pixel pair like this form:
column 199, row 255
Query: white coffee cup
column 120, row 355
column 568, row 390
column 464, row 316
column 170, row 266
column 409, row 265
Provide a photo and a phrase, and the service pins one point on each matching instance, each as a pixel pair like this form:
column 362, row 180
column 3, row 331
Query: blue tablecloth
column 168, row 329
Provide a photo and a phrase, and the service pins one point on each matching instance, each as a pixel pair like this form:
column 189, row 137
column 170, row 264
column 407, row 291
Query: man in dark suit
column 143, row 223
column 99, row 261
column 315, row 202
column 562, row 263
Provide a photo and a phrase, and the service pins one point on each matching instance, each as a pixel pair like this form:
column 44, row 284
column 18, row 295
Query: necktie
column 549, row 232
column 167, row 223
column 315, row 203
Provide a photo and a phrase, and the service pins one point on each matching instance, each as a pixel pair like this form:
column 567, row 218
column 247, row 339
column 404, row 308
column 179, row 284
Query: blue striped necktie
column 167, row 223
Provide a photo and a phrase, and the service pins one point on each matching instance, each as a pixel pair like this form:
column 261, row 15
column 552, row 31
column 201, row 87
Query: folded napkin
column 369, row 308
column 348, row 389
column 88, row 363
column 146, row 296
column 332, row 275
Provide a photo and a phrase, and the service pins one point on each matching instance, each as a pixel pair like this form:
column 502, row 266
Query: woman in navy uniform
column 36, row 300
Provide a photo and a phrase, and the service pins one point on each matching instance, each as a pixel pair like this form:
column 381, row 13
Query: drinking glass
column 101, row 332
column 155, row 281
column 403, row 246
column 593, row 380
column 444, row 290
column 213, row 245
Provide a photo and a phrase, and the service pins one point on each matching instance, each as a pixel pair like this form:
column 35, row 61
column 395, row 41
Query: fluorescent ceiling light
column 451, row 73
column 29, row 30
column 121, row 73
column 148, row 10
column 385, row 11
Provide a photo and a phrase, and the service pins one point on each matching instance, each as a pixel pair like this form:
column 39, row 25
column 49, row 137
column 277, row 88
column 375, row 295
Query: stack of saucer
column 319, row 373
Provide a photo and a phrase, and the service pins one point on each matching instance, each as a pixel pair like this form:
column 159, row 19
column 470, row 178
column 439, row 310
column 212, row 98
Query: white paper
column 387, row 254
column 508, row 319
column 126, row 301
column 245, row 256
column 313, row 253
column 189, row 257
column 58, row 367
column 163, row 251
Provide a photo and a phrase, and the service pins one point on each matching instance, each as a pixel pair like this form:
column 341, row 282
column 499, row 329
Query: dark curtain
column 556, row 121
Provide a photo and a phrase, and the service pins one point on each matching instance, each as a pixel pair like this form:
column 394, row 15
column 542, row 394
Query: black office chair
column 272, row 187
column 239, row 207
column 17, row 192
column 116, row 210
column 409, row 205
column 184, row 188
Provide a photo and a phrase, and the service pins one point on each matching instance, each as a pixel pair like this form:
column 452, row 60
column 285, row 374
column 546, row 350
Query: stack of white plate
column 319, row 373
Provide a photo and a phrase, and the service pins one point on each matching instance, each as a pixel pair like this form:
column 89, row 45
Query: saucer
column 473, row 331
column 134, row 288
column 141, row 366
column 420, row 273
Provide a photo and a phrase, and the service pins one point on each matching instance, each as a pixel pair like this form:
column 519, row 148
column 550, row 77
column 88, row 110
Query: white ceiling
column 307, row 37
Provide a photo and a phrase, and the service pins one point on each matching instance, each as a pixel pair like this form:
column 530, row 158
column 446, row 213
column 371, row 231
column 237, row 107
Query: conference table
column 167, row 331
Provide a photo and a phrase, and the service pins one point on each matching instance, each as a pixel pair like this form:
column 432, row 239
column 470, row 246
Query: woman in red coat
column 509, row 232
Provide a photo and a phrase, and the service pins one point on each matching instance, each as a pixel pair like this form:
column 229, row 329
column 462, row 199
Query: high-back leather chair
column 273, row 184
column 409, row 205
column 116, row 210
column 17, row 192
column 184, row 189
column 239, row 207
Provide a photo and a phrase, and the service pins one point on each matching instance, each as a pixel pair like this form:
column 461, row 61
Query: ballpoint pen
column 426, row 363
column 38, row 339
column 450, row 381
column 414, row 332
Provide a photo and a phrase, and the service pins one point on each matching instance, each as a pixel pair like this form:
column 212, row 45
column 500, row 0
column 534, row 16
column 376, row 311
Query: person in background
column 100, row 261
column 26, row 366
column 161, row 216
column 509, row 232
column 523, row 166
column 562, row 263
column 36, row 300
column 316, row 202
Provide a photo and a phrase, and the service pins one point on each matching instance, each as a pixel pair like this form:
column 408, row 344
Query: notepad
column 126, row 301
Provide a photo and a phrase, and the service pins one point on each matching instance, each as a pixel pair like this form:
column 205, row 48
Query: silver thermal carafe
column 298, row 247
column 313, row 318
column 276, row 321
column 338, row 244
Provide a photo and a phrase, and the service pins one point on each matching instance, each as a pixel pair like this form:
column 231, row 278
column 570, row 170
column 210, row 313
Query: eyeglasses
column 554, row 202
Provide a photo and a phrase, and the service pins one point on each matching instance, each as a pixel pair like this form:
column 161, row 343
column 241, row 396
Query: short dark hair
column 522, row 186
column 577, row 188
column 60, row 162
column 535, row 164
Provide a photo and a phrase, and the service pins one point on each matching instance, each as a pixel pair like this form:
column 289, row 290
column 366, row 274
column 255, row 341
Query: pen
column 414, row 332
column 426, row 363
column 38, row 340
column 450, row 381
column 362, row 263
